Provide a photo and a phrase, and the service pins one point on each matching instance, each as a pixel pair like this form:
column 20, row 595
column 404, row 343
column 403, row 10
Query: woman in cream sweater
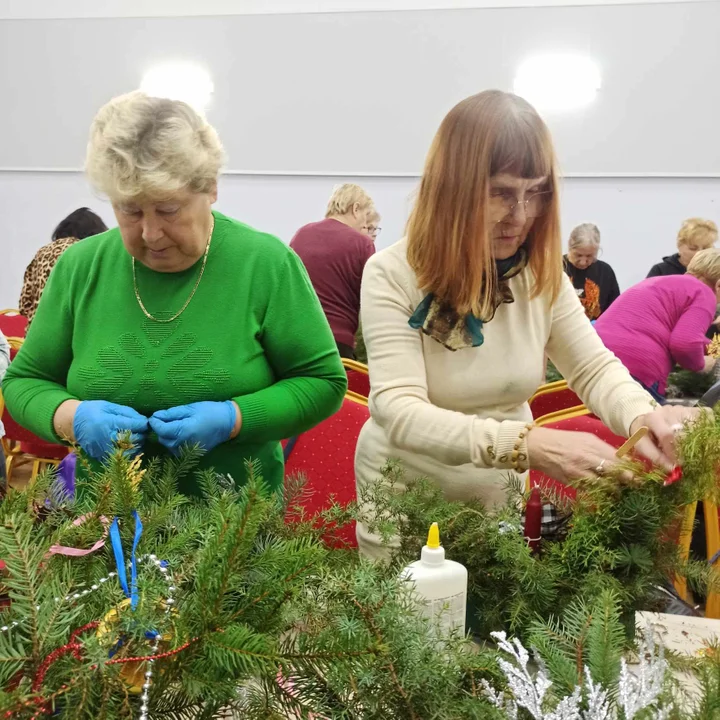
column 459, row 315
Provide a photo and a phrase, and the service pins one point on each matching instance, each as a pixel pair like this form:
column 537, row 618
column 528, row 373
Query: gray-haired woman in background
column 593, row 280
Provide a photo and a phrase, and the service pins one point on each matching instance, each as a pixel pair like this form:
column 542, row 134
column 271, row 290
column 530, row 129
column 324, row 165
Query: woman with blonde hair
column 334, row 252
column 594, row 280
column 661, row 322
column 695, row 234
column 458, row 316
column 182, row 326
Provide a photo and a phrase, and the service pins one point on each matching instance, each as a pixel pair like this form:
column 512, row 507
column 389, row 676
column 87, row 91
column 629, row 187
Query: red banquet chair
column 358, row 377
column 22, row 447
column 325, row 455
column 552, row 398
column 13, row 324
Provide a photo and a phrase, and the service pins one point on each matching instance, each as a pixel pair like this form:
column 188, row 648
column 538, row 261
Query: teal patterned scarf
column 444, row 324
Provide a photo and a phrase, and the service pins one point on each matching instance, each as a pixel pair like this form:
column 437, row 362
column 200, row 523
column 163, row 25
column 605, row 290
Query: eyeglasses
column 374, row 231
column 504, row 205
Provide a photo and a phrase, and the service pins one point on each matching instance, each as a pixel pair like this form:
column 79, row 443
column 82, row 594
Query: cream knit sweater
column 456, row 416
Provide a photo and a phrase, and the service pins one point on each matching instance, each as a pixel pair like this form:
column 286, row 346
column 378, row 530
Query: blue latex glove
column 202, row 423
column 98, row 423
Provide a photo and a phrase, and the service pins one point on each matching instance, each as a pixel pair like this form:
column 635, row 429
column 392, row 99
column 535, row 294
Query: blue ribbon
column 132, row 591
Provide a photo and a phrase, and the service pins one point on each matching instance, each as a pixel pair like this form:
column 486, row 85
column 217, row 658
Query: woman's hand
column 207, row 424
column 96, row 425
column 664, row 424
column 567, row 456
column 709, row 363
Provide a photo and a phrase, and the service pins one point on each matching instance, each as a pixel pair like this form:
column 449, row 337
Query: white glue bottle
column 440, row 584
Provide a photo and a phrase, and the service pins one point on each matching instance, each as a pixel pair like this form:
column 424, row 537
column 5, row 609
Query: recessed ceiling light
column 180, row 81
column 559, row 82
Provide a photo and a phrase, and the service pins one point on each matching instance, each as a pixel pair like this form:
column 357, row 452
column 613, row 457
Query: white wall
column 638, row 218
column 364, row 92
column 34, row 9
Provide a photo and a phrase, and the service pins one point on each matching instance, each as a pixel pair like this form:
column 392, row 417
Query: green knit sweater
column 254, row 332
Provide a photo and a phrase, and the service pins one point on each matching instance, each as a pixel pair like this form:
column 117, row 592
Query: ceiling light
column 180, row 81
column 558, row 82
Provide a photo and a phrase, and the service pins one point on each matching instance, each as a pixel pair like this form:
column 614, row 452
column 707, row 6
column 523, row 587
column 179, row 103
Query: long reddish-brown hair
column 449, row 235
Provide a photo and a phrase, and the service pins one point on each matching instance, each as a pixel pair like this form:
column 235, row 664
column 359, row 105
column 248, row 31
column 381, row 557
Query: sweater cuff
column 253, row 417
column 502, row 445
column 630, row 409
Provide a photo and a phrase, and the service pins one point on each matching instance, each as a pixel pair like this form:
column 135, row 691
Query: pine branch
column 23, row 556
column 367, row 617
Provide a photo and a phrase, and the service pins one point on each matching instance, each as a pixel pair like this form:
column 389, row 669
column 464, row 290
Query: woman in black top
column 695, row 234
column 593, row 279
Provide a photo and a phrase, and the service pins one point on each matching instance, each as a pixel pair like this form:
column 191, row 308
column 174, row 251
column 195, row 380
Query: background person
column 458, row 316
column 79, row 224
column 695, row 234
column 373, row 229
column 182, row 326
column 594, row 280
column 662, row 321
column 334, row 252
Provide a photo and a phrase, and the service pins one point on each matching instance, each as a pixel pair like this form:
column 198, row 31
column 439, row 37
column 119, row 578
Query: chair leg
column 37, row 464
column 9, row 467
column 712, row 540
column 684, row 540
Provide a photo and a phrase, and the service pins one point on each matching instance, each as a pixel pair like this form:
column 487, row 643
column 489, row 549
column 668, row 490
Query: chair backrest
column 358, row 377
column 574, row 421
column 551, row 398
column 29, row 442
column 12, row 323
column 325, row 455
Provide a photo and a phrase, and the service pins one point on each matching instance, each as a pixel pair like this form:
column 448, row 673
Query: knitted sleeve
column 688, row 339
column 299, row 345
column 35, row 383
column 591, row 370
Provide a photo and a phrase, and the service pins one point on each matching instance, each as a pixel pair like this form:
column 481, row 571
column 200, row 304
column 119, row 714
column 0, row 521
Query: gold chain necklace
column 192, row 294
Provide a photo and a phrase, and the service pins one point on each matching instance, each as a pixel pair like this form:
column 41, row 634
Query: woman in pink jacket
column 662, row 322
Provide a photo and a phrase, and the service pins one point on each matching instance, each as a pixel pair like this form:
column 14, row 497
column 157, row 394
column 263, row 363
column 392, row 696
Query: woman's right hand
column 567, row 456
column 96, row 424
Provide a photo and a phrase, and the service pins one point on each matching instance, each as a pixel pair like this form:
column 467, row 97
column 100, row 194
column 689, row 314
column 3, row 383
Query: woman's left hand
column 664, row 424
column 207, row 424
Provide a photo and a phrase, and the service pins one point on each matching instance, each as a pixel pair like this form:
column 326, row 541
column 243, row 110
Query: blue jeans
column 654, row 391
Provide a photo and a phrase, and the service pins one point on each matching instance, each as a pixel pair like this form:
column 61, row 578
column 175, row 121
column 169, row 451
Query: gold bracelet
column 519, row 459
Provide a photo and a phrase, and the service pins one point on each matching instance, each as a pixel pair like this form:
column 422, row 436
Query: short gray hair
column 585, row 235
column 147, row 146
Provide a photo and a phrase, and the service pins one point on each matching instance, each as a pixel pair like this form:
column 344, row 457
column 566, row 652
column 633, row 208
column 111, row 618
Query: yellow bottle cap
column 433, row 540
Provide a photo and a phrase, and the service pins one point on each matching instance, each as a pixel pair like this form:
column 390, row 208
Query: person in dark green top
column 181, row 326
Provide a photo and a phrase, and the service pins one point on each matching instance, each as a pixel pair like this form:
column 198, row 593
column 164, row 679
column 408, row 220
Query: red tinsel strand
column 73, row 647
column 90, row 626
column 159, row 656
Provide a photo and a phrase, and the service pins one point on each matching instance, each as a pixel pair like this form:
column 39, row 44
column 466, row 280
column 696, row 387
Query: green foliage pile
column 268, row 622
column 619, row 535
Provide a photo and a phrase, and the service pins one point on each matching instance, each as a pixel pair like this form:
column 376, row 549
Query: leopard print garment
column 38, row 272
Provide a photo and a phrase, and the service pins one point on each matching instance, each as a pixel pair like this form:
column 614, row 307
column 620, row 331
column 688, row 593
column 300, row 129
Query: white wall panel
column 39, row 9
column 364, row 92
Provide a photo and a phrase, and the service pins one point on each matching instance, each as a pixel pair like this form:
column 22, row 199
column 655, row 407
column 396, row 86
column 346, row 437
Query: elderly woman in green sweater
column 181, row 326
